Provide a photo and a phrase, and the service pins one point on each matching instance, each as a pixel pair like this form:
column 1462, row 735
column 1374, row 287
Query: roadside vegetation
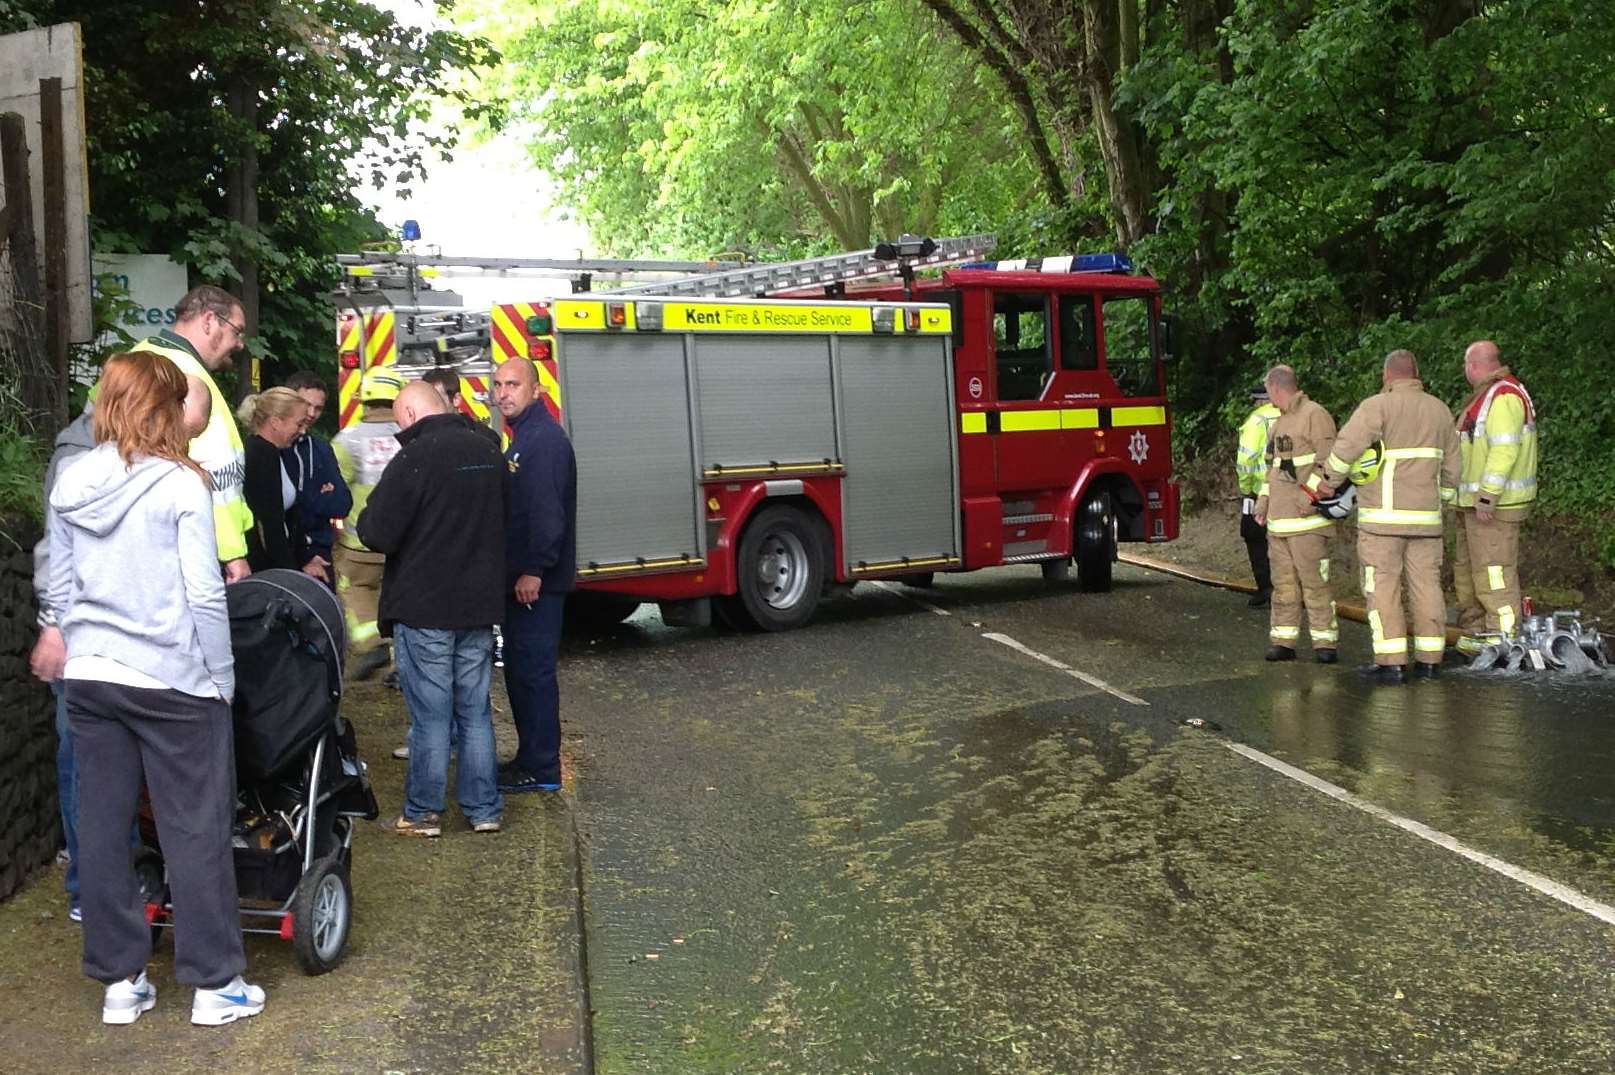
column 1314, row 182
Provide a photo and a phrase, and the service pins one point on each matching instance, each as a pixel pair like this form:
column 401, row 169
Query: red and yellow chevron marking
column 347, row 381
column 508, row 329
column 380, row 347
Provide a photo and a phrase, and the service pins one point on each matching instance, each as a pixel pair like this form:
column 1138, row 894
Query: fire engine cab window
column 1129, row 347
column 1077, row 350
column 1021, row 338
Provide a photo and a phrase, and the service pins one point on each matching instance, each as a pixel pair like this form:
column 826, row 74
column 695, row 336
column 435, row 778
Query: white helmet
column 1340, row 505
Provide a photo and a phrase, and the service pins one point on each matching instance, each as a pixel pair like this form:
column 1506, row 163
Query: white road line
column 1092, row 681
column 1547, row 886
column 892, row 587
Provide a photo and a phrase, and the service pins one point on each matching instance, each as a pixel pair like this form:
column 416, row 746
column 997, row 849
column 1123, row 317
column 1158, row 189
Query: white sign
column 975, row 387
column 155, row 282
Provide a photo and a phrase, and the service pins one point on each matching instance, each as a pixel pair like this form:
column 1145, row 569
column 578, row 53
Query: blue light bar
column 1107, row 263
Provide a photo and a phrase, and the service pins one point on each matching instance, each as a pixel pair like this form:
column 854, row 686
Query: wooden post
column 21, row 248
column 56, row 312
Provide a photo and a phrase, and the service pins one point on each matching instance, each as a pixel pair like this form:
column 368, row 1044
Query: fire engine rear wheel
column 779, row 571
column 924, row 580
column 1096, row 543
column 591, row 610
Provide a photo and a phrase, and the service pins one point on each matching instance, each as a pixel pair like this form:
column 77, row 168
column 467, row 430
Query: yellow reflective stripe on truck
column 1138, row 416
column 573, row 315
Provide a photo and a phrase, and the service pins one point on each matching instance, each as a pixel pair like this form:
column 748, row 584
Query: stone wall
column 30, row 826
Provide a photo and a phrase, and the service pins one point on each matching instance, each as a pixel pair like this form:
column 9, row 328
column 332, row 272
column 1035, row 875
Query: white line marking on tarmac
column 1548, row 887
column 892, row 587
column 1092, row 681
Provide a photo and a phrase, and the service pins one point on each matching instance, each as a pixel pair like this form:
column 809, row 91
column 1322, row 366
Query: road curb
column 1350, row 610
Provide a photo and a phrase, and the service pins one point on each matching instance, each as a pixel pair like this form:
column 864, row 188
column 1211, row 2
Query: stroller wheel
column 150, row 883
column 321, row 913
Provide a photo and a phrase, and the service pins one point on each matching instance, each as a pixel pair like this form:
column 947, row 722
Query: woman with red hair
column 149, row 678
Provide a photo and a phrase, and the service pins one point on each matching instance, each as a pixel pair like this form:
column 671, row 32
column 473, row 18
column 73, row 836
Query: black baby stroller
column 299, row 779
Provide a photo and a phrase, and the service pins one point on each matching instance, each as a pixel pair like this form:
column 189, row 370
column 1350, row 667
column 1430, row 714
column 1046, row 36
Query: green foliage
column 22, row 461
column 345, row 98
column 777, row 127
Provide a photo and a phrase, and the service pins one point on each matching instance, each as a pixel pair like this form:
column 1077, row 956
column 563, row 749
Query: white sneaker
column 231, row 1001
column 126, row 1000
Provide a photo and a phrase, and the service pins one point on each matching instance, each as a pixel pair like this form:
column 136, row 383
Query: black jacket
column 438, row 515
column 541, row 502
column 275, row 537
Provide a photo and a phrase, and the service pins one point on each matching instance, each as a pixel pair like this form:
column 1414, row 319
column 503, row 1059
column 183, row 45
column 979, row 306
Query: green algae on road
column 463, row 958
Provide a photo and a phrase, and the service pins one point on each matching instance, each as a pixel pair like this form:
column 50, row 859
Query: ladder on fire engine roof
column 375, row 271
column 899, row 258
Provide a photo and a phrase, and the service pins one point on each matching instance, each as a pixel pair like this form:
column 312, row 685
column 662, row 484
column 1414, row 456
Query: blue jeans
column 532, row 639
column 67, row 793
column 445, row 677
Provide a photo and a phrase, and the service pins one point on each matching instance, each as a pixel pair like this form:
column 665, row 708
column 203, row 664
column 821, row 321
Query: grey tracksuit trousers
column 184, row 747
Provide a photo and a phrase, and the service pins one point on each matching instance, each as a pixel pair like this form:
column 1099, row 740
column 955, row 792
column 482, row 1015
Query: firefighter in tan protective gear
column 1297, row 536
column 362, row 452
column 1497, row 434
column 1399, row 532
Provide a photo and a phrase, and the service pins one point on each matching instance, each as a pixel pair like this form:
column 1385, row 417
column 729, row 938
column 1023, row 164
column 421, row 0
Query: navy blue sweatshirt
column 541, row 502
column 310, row 463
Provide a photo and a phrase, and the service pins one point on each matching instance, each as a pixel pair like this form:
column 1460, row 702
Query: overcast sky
column 487, row 202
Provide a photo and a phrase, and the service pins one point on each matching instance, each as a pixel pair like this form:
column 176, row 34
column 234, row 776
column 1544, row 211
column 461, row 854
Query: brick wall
column 30, row 827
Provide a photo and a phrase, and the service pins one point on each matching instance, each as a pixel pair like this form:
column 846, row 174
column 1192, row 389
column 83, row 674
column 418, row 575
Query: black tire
column 780, row 571
column 596, row 611
column 322, row 912
column 151, row 883
column 1056, row 570
column 924, row 580
column 1096, row 543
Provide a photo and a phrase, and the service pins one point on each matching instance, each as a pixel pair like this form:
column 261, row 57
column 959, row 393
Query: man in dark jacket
column 440, row 502
column 540, row 569
column 322, row 495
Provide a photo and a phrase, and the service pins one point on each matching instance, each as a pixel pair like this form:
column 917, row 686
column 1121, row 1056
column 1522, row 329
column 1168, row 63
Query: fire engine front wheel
column 1096, row 543
column 780, row 571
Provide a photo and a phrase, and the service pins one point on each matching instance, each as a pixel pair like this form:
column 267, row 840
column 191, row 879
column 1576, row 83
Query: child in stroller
column 299, row 779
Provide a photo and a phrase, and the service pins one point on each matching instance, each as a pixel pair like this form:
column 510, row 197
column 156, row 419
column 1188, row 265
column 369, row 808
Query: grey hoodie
column 134, row 571
column 71, row 442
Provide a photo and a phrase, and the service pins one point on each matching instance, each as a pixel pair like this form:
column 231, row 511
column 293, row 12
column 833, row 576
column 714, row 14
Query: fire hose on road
column 1558, row 641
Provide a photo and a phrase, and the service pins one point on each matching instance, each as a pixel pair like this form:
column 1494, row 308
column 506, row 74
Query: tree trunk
column 241, row 204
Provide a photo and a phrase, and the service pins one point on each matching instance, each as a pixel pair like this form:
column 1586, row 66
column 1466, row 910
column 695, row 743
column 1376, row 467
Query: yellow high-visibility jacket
column 1497, row 435
column 1300, row 437
column 1250, row 463
column 1419, row 471
column 217, row 449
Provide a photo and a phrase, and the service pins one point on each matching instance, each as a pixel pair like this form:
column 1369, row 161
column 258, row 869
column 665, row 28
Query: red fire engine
column 746, row 454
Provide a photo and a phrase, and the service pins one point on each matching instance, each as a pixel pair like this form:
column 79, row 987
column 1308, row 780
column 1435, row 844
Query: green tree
column 785, row 125
column 318, row 98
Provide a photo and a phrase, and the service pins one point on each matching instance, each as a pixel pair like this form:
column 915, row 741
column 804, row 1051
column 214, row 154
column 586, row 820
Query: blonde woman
column 274, row 418
column 134, row 575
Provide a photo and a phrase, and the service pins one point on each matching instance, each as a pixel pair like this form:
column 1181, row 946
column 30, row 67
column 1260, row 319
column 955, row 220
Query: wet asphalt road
column 886, row 843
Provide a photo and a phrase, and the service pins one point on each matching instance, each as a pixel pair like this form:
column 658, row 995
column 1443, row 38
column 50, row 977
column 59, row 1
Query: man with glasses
column 209, row 327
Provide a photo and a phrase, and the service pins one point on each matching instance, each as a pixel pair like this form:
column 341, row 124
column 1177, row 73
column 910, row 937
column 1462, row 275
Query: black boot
column 1260, row 599
column 1325, row 656
column 1280, row 653
column 1386, row 675
column 1426, row 671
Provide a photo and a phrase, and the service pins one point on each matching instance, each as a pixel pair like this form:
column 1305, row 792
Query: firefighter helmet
column 1338, row 506
column 1366, row 469
column 381, row 386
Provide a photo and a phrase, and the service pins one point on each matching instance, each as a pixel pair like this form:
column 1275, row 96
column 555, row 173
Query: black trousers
column 1255, row 536
column 184, row 749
